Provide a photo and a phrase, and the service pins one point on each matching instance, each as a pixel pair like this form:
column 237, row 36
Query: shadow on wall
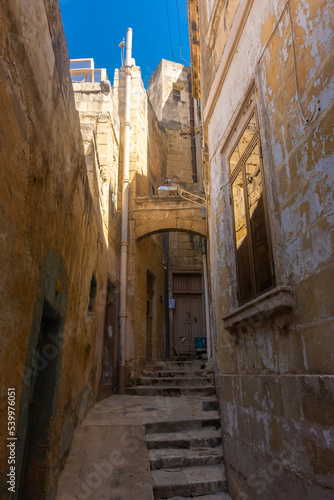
column 41, row 378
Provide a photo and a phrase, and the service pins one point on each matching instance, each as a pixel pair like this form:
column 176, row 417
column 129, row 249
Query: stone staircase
column 185, row 454
column 174, row 378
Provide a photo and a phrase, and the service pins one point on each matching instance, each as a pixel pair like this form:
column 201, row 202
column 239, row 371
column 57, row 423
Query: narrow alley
column 166, row 250
column 165, row 443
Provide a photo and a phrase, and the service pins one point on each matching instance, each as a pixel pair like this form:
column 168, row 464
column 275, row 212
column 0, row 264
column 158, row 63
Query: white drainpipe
column 206, row 302
column 125, row 216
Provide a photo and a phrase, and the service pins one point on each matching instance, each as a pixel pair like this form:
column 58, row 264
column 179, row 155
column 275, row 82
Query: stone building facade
column 55, row 249
column 61, row 149
column 145, row 337
column 169, row 90
column 264, row 72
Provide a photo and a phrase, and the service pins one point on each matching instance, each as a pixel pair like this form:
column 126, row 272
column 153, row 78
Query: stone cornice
column 214, row 21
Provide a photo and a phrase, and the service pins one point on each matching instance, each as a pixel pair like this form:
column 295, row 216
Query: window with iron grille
column 255, row 270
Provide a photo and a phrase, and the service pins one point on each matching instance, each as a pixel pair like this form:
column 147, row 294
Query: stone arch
column 165, row 216
column 190, row 230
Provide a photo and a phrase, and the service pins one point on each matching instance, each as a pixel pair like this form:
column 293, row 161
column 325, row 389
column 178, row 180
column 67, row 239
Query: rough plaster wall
column 280, row 390
column 303, row 174
column 214, row 35
column 45, row 203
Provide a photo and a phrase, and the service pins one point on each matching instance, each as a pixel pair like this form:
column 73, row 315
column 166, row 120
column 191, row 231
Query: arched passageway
column 154, row 215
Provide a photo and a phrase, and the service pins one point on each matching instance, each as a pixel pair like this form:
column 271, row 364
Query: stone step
column 205, row 420
column 147, row 390
column 195, row 438
column 211, row 405
column 196, row 364
column 177, row 381
column 191, row 481
column 177, row 373
column 214, row 496
column 153, row 368
column 164, row 373
column 171, row 458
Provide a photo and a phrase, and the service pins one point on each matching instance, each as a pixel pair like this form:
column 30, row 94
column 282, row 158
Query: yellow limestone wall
column 275, row 370
column 52, row 235
column 174, row 114
column 147, row 164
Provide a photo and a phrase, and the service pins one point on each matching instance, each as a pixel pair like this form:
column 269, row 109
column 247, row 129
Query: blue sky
column 94, row 28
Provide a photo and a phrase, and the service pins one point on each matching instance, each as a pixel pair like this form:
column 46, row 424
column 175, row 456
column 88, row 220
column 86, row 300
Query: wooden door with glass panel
column 254, row 261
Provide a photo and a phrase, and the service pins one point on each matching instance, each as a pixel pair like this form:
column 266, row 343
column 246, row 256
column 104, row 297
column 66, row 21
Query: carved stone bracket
column 279, row 299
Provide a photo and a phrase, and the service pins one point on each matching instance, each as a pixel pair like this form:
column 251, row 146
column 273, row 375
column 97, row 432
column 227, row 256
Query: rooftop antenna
column 122, row 45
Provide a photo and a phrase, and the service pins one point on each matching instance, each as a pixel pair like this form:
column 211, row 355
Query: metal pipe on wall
column 125, row 216
column 192, row 132
column 167, row 350
column 206, row 302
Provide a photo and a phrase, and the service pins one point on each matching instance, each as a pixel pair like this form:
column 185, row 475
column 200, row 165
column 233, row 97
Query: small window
column 92, row 297
column 251, row 226
column 178, row 92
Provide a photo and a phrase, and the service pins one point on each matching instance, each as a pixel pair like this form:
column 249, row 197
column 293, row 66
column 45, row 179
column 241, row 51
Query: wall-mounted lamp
column 165, row 191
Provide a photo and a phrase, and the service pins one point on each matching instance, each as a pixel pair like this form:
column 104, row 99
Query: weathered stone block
column 318, row 399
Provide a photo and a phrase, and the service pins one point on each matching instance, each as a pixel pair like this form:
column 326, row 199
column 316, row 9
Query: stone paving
column 112, row 449
column 109, row 458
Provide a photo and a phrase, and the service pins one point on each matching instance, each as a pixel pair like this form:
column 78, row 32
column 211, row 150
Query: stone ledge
column 169, row 198
column 277, row 299
column 86, row 86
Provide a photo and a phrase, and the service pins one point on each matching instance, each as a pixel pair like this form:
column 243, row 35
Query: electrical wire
column 170, row 36
column 306, row 120
column 170, row 33
column 183, row 58
column 178, row 21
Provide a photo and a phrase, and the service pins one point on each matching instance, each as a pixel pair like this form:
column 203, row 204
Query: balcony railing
column 83, row 70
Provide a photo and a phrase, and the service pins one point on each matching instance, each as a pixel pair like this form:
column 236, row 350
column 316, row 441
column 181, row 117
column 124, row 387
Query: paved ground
column 108, row 459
